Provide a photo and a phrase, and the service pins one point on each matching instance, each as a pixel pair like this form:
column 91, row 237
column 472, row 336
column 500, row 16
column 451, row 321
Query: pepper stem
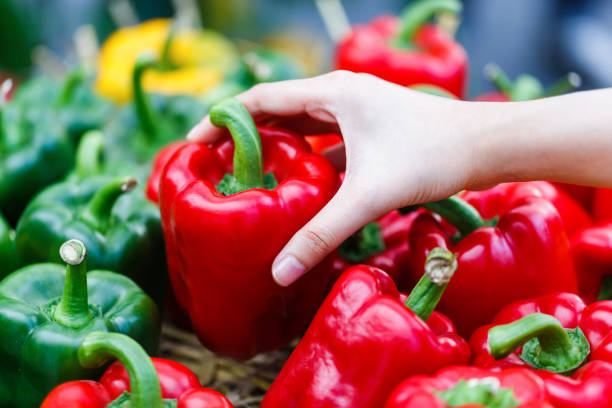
column 459, row 213
column 248, row 158
column 98, row 211
column 89, row 154
column 98, row 347
column 146, row 117
column 165, row 60
column 72, row 81
column 546, row 343
column 440, row 266
column 499, row 78
column 73, row 308
column 419, row 12
column 564, row 85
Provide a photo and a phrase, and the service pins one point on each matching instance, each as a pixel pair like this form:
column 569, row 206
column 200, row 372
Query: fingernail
column 287, row 270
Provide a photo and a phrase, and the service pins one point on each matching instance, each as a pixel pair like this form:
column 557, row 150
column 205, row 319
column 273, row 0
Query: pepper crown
column 418, row 13
column 485, row 392
column 97, row 213
column 73, row 308
column 440, row 266
column 363, row 244
column 248, row 157
column 527, row 87
column 546, row 343
column 98, row 347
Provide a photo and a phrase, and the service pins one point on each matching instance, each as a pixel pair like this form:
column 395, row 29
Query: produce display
column 121, row 240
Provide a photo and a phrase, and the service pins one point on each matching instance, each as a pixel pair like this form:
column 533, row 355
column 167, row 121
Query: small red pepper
column 225, row 222
column 602, row 204
column 499, row 199
column 135, row 380
column 525, row 254
column 592, row 252
column 556, row 333
column 471, row 387
column 366, row 338
column 320, row 143
column 407, row 51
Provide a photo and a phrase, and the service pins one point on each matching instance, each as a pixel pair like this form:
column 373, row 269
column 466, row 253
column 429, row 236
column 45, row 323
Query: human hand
column 402, row 147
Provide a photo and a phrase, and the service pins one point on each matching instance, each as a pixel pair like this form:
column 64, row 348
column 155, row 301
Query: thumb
column 341, row 217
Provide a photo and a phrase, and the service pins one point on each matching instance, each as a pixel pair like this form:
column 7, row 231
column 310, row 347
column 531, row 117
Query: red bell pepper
column 525, row 254
column 499, row 199
column 408, row 51
column 382, row 243
column 592, row 252
column 525, row 88
column 135, row 380
column 602, row 204
column 163, row 156
column 471, row 387
column 223, row 231
column 556, row 333
column 366, row 338
column 589, row 387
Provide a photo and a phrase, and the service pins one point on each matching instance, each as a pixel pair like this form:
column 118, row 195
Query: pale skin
column 404, row 147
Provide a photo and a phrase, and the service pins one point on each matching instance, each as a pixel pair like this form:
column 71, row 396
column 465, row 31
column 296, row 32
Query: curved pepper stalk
column 418, row 13
column 459, row 213
column 98, row 347
column 144, row 111
column 248, row 157
column 98, row 212
column 89, row 154
column 546, row 343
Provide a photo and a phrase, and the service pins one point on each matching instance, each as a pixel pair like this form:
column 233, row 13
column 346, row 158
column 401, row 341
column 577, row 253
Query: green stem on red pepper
column 418, row 13
column 88, row 160
column 483, row 392
column 440, row 266
column 546, row 343
column 98, row 211
column 98, row 347
column 144, row 111
column 73, row 308
column 248, row 157
column 459, row 213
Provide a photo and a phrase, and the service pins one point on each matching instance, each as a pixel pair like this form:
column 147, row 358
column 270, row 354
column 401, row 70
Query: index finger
column 286, row 98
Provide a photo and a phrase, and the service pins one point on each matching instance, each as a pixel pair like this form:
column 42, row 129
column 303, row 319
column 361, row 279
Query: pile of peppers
column 111, row 222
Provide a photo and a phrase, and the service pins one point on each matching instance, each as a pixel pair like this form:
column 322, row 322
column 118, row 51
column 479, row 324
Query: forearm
column 566, row 138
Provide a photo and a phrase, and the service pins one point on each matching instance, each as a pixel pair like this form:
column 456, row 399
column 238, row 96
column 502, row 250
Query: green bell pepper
column 122, row 231
column 45, row 312
column 73, row 100
column 34, row 152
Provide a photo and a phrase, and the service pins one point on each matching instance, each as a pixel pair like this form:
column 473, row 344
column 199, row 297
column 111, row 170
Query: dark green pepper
column 122, row 231
column 72, row 99
column 34, row 152
column 45, row 312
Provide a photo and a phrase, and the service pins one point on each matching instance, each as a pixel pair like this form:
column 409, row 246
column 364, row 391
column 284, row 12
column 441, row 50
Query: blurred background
column 545, row 38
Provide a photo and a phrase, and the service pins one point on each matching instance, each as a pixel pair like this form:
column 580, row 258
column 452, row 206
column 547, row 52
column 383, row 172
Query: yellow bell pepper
column 199, row 58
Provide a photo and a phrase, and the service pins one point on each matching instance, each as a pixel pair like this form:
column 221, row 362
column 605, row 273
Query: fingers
column 312, row 96
column 340, row 218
